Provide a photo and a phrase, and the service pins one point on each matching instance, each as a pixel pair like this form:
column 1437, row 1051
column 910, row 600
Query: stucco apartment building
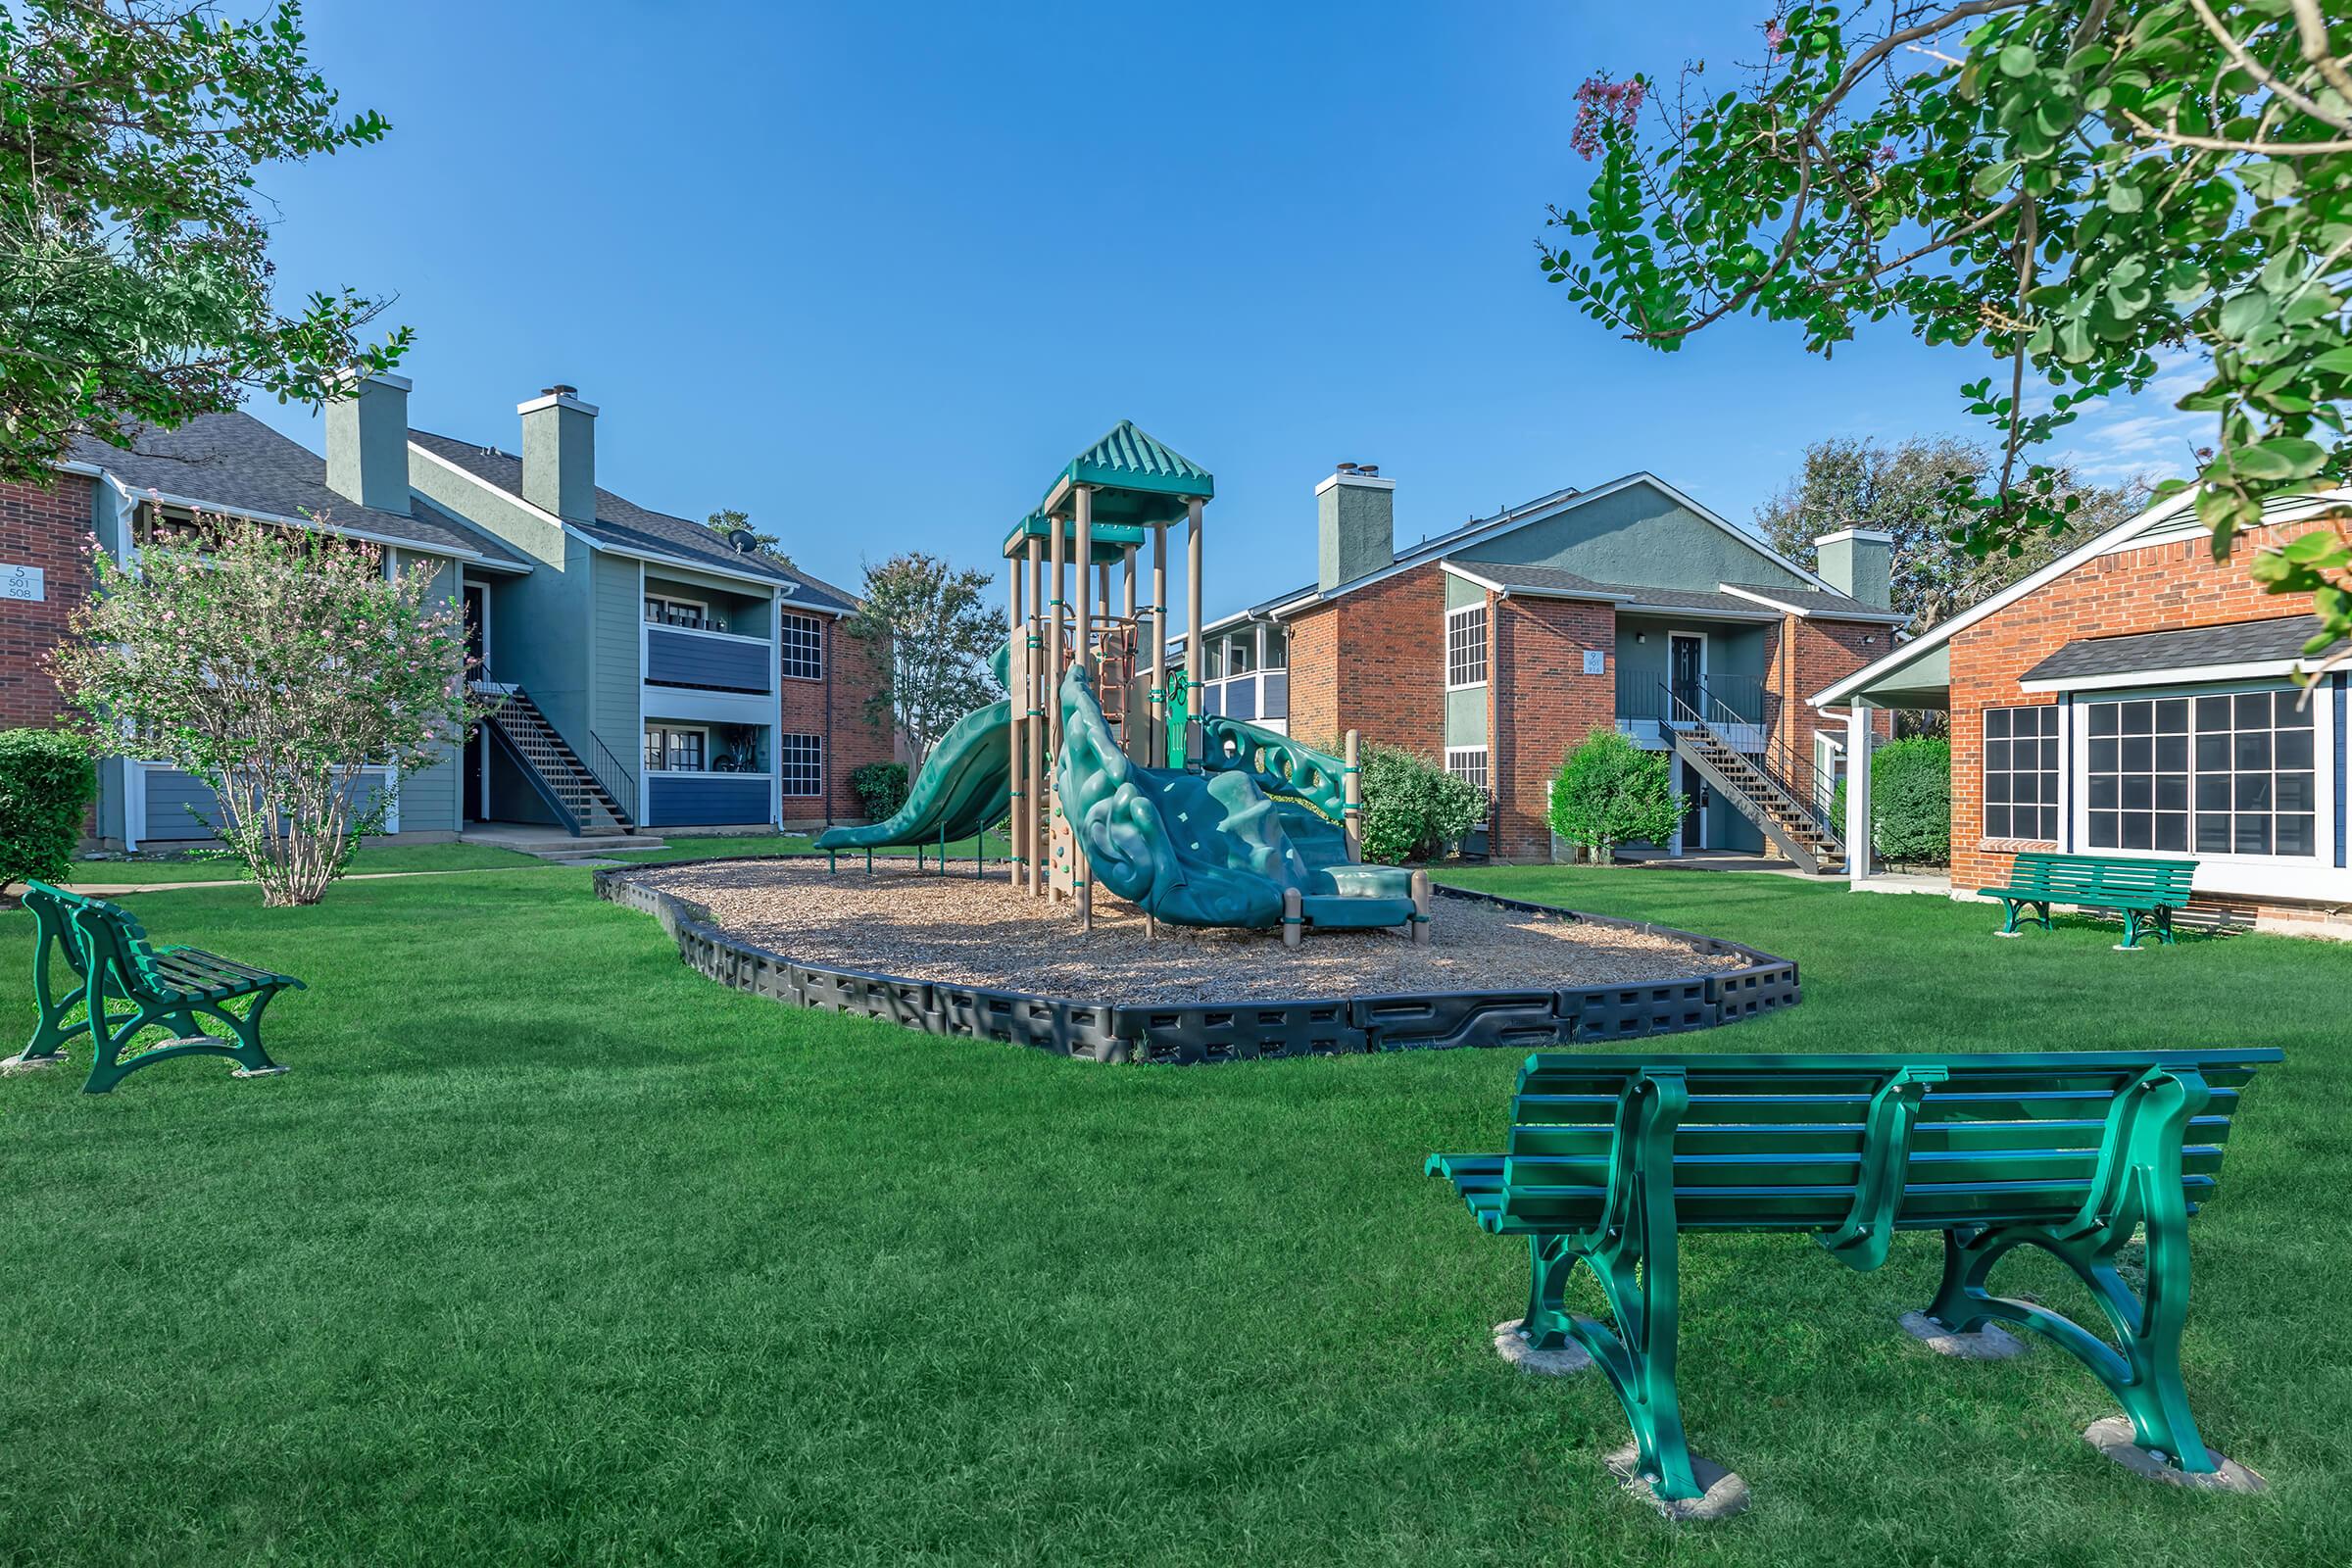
column 1502, row 645
column 2137, row 697
column 657, row 675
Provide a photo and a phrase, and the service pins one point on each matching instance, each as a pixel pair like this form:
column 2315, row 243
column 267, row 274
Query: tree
column 1899, row 490
column 940, row 631
column 2076, row 189
column 275, row 664
column 1412, row 806
column 737, row 527
column 46, row 786
column 134, row 268
column 1609, row 792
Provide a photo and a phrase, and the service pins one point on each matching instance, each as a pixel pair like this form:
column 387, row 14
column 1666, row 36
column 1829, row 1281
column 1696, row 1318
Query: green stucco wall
column 430, row 801
column 617, row 670
column 1637, row 535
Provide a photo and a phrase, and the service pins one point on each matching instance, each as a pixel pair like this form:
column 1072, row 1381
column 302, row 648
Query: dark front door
column 1695, row 821
column 1686, row 657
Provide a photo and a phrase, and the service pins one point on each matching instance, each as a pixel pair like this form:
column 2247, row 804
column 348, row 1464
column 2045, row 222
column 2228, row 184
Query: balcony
column 708, row 660
column 1736, row 707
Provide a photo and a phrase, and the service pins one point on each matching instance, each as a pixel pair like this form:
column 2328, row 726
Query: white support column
column 1857, row 794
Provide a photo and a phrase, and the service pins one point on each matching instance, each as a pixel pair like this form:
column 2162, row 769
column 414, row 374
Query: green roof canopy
column 1138, row 481
column 1111, row 540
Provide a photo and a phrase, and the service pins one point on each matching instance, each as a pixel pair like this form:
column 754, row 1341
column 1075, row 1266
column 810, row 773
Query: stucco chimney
column 1355, row 524
column 367, row 442
column 1859, row 562
column 558, row 453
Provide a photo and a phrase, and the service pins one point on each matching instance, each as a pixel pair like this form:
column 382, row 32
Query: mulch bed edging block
column 1192, row 1033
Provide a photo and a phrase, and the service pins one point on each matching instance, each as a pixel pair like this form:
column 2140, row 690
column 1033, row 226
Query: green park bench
column 2137, row 888
column 1610, row 1159
column 115, row 967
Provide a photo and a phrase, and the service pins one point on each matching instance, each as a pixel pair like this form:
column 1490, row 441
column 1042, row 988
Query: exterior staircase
column 1773, row 804
column 568, row 786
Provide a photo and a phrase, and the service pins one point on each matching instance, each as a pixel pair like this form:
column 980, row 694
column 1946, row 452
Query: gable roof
column 2168, row 516
column 233, row 462
column 626, row 525
column 1533, row 582
column 1826, row 602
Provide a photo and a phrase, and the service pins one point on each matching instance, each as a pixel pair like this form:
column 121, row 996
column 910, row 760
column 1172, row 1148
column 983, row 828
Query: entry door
column 1695, row 821
column 1687, row 657
column 477, row 748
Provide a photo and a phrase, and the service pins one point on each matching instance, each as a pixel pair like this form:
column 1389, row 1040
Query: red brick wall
column 1804, row 656
column 49, row 529
column 1374, row 662
column 1542, row 703
column 834, row 707
column 2160, row 587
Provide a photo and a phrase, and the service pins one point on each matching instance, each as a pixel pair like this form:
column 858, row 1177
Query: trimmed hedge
column 1608, row 792
column 1910, row 801
column 881, row 788
column 46, row 785
column 1412, row 806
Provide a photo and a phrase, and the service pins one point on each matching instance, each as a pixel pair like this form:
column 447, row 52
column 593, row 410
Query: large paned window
column 803, row 641
column 801, row 763
column 2021, row 772
column 1469, row 764
column 1466, row 647
column 2223, row 773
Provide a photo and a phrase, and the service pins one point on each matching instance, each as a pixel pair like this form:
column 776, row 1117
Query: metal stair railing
column 618, row 781
column 1792, row 816
column 553, row 771
column 1800, row 781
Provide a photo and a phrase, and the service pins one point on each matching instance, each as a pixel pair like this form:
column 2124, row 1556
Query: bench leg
column 2131, row 931
column 2044, row 907
column 2009, row 906
column 109, row 1066
column 2140, row 1185
column 51, row 1032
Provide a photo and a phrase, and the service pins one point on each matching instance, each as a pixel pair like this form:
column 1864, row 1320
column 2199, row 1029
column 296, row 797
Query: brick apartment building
column 658, row 674
column 2138, row 698
column 1502, row 645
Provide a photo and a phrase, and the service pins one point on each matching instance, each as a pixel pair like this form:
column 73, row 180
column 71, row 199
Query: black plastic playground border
column 1248, row 1030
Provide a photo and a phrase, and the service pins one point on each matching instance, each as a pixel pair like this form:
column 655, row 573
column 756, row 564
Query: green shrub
column 1412, row 806
column 46, row 785
column 1609, row 791
column 881, row 788
column 1910, row 801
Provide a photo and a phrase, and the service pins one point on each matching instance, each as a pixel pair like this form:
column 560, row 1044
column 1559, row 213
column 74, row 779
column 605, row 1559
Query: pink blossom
column 1775, row 34
column 1604, row 106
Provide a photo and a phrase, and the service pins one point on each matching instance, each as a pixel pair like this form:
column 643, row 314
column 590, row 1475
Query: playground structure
column 1106, row 775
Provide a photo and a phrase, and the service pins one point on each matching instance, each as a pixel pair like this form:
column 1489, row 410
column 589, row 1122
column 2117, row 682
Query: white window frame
column 790, row 624
column 2253, row 875
column 1984, row 771
column 1457, row 758
column 701, row 605
column 784, row 767
column 668, row 729
column 1486, row 649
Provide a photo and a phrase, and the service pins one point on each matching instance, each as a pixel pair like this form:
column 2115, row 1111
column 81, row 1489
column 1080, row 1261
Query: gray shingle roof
column 236, row 464
column 1692, row 598
column 622, row 522
column 1814, row 600
column 2247, row 642
column 1540, row 581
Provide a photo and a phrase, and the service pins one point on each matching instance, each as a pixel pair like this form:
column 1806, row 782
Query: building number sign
column 22, row 582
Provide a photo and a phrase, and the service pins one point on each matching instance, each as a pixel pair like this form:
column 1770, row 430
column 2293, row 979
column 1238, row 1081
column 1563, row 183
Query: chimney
column 1355, row 524
column 368, row 441
column 1859, row 562
column 558, row 453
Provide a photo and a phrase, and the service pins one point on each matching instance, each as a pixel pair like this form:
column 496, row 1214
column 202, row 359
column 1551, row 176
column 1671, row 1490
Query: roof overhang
column 137, row 493
column 2176, row 675
column 1865, row 615
column 1503, row 590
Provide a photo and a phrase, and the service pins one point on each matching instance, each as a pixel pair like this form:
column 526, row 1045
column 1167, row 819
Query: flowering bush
column 275, row 664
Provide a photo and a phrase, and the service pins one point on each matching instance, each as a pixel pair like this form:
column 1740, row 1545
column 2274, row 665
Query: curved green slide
column 1207, row 849
column 965, row 788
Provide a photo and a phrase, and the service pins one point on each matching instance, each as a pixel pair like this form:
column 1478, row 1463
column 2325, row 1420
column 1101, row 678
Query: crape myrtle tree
column 2080, row 194
column 275, row 664
column 934, row 621
column 134, row 265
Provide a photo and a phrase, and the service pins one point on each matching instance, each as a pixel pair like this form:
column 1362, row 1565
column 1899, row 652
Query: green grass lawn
column 454, row 856
column 550, row 1251
column 685, row 847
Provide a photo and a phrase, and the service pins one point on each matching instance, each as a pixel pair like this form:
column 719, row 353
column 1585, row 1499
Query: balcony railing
column 1741, row 698
column 710, row 660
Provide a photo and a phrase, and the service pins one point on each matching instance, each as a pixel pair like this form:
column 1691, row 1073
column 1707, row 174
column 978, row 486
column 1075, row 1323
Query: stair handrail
column 607, row 769
column 1793, row 796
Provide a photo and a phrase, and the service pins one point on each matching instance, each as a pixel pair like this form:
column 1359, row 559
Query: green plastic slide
column 1207, row 849
column 964, row 788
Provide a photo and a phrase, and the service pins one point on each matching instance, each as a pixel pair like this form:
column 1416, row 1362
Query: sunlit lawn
column 550, row 1251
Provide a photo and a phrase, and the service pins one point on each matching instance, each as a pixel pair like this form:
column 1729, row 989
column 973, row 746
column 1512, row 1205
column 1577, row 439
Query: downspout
column 832, row 648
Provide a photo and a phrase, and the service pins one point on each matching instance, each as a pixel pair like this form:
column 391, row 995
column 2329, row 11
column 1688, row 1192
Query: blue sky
column 872, row 275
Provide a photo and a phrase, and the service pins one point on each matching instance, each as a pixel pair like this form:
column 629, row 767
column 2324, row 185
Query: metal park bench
column 2135, row 887
column 1610, row 1159
column 131, row 984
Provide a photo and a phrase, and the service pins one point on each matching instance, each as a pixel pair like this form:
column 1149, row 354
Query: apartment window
column 1241, row 653
column 1469, row 764
column 801, row 763
column 804, row 640
column 2226, row 773
column 1278, row 648
column 663, row 610
column 669, row 749
column 2021, row 772
column 1466, row 647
